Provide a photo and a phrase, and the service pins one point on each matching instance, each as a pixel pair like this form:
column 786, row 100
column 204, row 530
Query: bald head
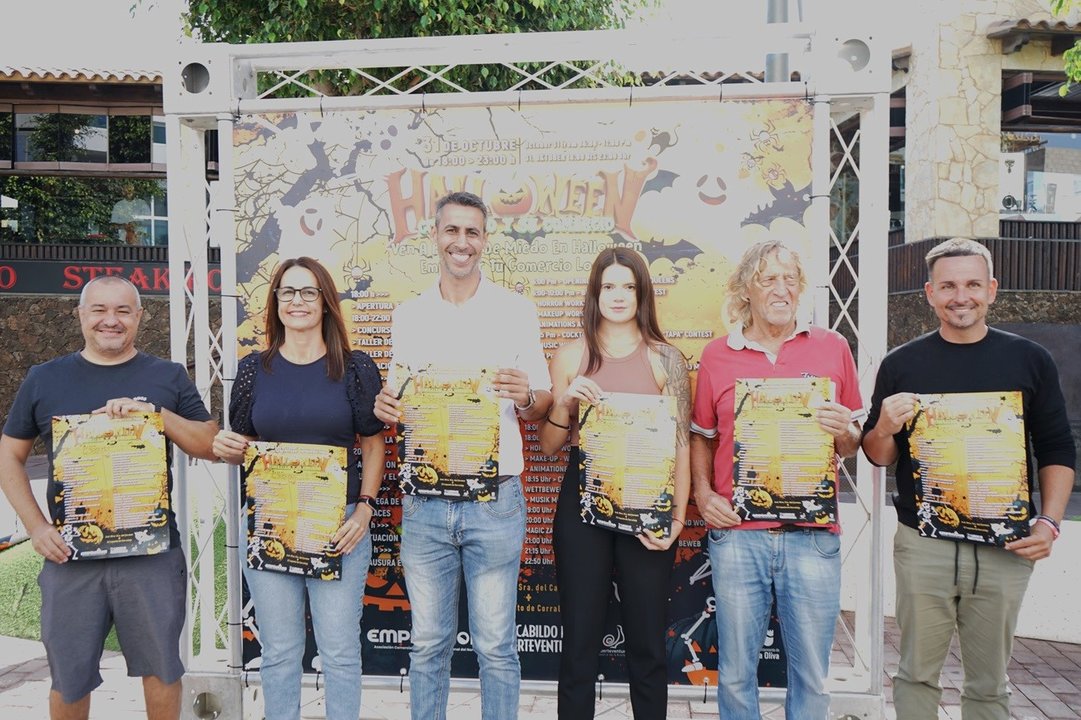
column 109, row 314
column 110, row 280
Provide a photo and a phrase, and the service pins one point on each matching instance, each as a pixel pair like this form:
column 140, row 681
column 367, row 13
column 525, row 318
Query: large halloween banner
column 689, row 184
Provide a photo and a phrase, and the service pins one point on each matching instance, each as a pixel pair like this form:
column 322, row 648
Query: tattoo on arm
column 678, row 384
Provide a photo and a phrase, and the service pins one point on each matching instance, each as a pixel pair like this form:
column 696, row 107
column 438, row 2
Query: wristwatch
column 368, row 500
column 532, row 400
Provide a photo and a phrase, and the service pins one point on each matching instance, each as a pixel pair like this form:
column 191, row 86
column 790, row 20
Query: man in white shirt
column 467, row 321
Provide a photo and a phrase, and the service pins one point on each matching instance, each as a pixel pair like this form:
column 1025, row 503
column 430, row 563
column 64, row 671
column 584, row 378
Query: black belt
column 795, row 528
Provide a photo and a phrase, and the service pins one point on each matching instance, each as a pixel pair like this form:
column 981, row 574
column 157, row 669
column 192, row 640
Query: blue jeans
column 803, row 568
column 336, row 607
column 442, row 539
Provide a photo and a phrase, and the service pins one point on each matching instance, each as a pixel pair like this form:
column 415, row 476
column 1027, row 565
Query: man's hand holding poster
column 968, row 457
column 114, row 487
column 448, row 438
column 785, row 467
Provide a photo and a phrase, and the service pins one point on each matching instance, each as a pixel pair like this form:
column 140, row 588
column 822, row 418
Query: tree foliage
column 270, row 21
column 130, row 138
column 7, row 134
column 1071, row 59
column 61, row 137
column 55, row 208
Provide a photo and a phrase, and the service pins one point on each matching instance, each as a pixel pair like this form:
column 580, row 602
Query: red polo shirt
column 810, row 352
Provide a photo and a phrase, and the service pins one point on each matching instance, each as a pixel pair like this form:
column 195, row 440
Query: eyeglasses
column 307, row 294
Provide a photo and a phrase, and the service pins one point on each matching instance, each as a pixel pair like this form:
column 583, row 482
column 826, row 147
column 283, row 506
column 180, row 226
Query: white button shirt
column 496, row 328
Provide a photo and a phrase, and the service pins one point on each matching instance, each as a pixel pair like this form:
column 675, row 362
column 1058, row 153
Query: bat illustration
column 681, row 250
column 662, row 180
column 788, row 202
column 527, row 235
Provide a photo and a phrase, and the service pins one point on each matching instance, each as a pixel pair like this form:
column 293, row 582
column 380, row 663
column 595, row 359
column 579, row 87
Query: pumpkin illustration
column 513, row 202
column 91, row 534
column 274, row 549
column 760, row 498
column 427, row 474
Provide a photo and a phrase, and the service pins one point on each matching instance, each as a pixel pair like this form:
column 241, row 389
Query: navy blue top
column 72, row 385
column 299, row 403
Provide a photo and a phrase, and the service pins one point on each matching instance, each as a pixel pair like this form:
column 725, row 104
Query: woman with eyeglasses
column 308, row 387
column 622, row 350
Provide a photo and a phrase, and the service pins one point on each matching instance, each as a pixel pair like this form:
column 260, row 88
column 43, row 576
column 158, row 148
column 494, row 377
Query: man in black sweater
column 960, row 578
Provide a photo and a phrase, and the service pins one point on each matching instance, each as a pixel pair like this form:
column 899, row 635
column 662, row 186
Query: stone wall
column 953, row 123
column 1051, row 319
column 37, row 328
column 953, row 112
column 910, row 315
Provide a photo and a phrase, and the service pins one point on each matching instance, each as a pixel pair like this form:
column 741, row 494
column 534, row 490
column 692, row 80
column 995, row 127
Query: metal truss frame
column 212, row 85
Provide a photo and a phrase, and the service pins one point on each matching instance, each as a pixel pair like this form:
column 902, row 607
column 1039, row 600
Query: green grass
column 220, row 596
column 20, row 596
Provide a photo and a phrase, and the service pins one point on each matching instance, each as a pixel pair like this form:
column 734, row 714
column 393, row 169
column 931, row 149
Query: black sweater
column 1000, row 361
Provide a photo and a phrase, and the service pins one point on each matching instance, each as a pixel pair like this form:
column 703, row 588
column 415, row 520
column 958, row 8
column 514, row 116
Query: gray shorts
column 143, row 597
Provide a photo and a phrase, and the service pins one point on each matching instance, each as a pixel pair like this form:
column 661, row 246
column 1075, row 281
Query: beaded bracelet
column 1050, row 522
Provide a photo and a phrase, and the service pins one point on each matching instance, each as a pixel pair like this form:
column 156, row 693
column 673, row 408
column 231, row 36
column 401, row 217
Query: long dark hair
column 334, row 334
column 645, row 317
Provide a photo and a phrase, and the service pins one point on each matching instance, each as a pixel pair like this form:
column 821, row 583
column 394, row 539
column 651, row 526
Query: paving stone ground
column 1045, row 678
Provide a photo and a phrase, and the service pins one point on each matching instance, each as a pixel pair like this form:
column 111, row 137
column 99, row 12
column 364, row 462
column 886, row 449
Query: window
column 152, row 220
column 1040, row 176
column 70, row 174
column 75, row 136
column 7, row 135
column 157, row 148
column 66, row 209
column 61, row 137
column 130, row 138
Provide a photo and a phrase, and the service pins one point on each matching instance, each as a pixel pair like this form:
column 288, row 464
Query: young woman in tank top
column 621, row 349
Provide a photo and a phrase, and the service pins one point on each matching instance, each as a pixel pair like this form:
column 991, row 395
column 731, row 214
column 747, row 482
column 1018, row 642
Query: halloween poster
column 968, row 459
column 688, row 183
column 294, row 495
column 628, row 465
column 785, row 468
column 113, row 481
column 448, row 438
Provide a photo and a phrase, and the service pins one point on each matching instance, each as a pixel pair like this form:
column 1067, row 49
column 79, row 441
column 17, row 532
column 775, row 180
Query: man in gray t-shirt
column 143, row 596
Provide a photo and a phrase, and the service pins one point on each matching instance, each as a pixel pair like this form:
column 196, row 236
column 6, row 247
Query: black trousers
column 587, row 558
